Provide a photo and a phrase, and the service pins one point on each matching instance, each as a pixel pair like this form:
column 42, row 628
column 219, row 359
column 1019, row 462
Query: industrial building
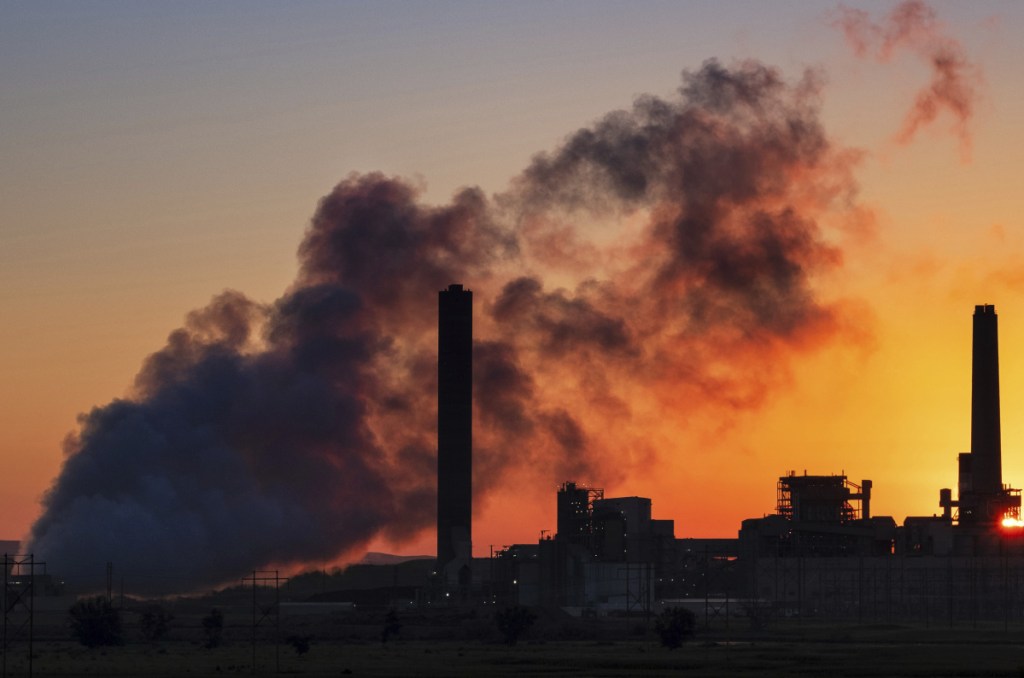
column 819, row 516
column 606, row 555
column 822, row 553
column 829, row 516
column 982, row 498
column 984, row 519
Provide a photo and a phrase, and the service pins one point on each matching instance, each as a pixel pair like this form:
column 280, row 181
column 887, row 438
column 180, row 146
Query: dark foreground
column 848, row 651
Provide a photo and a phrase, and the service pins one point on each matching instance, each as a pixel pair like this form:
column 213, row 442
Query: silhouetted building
column 823, row 499
column 607, row 555
column 982, row 499
column 819, row 516
column 455, row 430
column 820, row 554
column 575, row 506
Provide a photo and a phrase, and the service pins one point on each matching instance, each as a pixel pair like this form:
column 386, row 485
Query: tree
column 674, row 626
column 513, row 623
column 213, row 628
column 155, row 622
column 96, row 622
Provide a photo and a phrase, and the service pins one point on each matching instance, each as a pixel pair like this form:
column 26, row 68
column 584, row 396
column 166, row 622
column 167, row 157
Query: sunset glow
column 709, row 244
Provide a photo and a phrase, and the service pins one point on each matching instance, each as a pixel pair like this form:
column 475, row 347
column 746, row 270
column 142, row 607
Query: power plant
column 821, row 553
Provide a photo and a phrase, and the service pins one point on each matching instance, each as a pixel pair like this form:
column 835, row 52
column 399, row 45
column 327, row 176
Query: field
column 554, row 658
column 466, row 644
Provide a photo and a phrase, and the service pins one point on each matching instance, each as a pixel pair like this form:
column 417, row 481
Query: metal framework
column 818, row 498
column 266, row 614
column 19, row 604
column 593, row 494
column 638, row 597
column 1013, row 510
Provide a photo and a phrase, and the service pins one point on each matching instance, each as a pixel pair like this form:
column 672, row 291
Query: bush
column 513, row 623
column 154, row 623
column 213, row 628
column 391, row 625
column 674, row 626
column 96, row 622
column 299, row 643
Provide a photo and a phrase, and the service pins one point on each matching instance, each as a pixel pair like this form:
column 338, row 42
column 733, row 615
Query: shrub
column 96, row 622
column 154, row 623
column 674, row 626
column 513, row 622
column 391, row 625
column 299, row 643
column 213, row 628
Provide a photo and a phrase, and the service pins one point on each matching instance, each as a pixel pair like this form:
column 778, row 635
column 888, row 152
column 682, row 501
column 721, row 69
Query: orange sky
column 143, row 172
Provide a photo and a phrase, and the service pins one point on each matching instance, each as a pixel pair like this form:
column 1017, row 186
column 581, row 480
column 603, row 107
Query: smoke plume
column 659, row 263
column 914, row 26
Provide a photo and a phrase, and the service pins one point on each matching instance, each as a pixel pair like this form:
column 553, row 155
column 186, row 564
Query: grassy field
column 466, row 642
column 850, row 651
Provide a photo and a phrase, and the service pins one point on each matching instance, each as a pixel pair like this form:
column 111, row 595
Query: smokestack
column 454, row 425
column 986, row 455
column 865, row 499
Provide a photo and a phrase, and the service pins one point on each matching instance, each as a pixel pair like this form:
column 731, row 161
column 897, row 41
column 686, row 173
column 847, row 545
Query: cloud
column 296, row 431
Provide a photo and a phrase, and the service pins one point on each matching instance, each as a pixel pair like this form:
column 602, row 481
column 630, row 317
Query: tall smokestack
column 454, row 424
column 986, row 454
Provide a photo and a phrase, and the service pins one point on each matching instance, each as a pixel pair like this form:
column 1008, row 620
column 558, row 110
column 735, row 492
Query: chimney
column 454, row 425
column 986, row 455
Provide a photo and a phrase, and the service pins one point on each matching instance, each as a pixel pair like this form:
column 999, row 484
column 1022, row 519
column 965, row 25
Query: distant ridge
column 375, row 558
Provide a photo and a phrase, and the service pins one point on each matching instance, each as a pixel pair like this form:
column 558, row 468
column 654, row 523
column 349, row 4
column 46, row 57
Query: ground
column 453, row 643
column 553, row 658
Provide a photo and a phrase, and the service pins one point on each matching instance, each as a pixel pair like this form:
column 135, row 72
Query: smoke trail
column 955, row 80
column 296, row 431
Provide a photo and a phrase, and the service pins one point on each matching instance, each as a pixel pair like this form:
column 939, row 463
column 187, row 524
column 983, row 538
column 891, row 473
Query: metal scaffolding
column 264, row 613
column 19, row 605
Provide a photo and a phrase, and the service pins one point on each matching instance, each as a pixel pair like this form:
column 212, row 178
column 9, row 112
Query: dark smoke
column 295, row 432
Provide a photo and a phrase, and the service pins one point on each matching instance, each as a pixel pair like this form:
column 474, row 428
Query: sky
column 154, row 155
